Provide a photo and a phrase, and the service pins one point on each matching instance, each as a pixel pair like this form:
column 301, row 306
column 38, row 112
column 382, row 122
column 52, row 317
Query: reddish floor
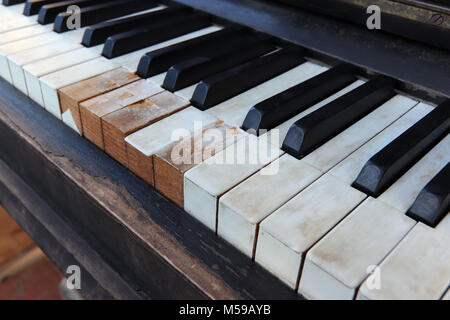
column 38, row 282
column 25, row 272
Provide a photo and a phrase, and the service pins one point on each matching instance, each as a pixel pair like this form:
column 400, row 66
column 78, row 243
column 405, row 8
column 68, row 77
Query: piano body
column 349, row 201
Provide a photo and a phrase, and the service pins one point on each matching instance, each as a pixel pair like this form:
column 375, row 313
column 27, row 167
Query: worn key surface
column 123, row 122
column 71, row 96
column 145, row 143
column 92, row 110
column 173, row 161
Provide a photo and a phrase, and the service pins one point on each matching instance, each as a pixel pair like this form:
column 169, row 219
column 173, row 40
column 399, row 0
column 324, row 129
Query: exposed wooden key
column 94, row 109
column 123, row 122
column 71, row 96
column 143, row 144
column 170, row 163
column 59, row 79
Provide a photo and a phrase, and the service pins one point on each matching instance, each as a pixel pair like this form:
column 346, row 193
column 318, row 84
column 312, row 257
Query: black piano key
column 397, row 157
column 48, row 13
column 313, row 130
column 130, row 41
column 283, row 106
column 192, row 71
column 433, row 202
column 102, row 12
column 32, row 7
column 97, row 34
column 227, row 84
column 155, row 62
column 12, row 2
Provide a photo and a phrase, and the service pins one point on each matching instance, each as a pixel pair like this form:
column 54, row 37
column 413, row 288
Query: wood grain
column 13, row 240
column 121, row 123
column 71, row 96
column 140, row 164
column 94, row 109
column 169, row 166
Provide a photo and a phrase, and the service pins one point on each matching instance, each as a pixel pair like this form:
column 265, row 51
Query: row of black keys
column 233, row 60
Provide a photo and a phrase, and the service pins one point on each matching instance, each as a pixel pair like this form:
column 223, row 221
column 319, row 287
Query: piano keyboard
column 361, row 177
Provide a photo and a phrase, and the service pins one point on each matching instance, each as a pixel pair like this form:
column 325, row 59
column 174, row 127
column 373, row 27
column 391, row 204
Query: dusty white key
column 14, row 22
column 54, row 81
column 286, row 235
column 349, row 169
column 24, row 33
column 206, row 182
column 154, row 137
column 418, row 268
column 38, row 69
column 284, row 127
column 18, row 60
column 185, row 93
column 336, row 266
column 404, row 191
column 14, row 9
column 233, row 111
column 263, row 200
column 336, row 149
column 444, row 225
column 131, row 60
column 447, row 295
column 245, row 206
column 25, row 44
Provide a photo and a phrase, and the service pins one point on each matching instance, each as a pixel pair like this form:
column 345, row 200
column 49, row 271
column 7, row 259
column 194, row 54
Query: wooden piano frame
column 83, row 208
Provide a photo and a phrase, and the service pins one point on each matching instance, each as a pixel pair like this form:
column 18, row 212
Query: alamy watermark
column 374, row 20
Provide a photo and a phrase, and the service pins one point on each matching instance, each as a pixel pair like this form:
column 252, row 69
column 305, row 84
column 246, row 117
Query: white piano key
column 24, row 33
column 233, row 111
column 265, row 201
column 15, row 22
column 52, row 82
column 336, row 266
column 404, row 191
column 444, row 225
column 348, row 169
column 206, row 182
column 447, row 295
column 245, row 206
column 336, row 149
column 14, row 9
column 131, row 60
column 20, row 45
column 154, row 137
column 286, row 235
column 38, row 69
column 418, row 268
column 284, row 127
column 18, row 60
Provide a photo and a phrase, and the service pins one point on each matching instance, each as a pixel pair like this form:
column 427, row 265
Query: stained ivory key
column 336, row 266
column 207, row 182
column 288, row 233
column 94, row 109
column 418, row 268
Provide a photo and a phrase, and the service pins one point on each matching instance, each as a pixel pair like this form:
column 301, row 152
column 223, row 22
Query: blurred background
column 25, row 271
